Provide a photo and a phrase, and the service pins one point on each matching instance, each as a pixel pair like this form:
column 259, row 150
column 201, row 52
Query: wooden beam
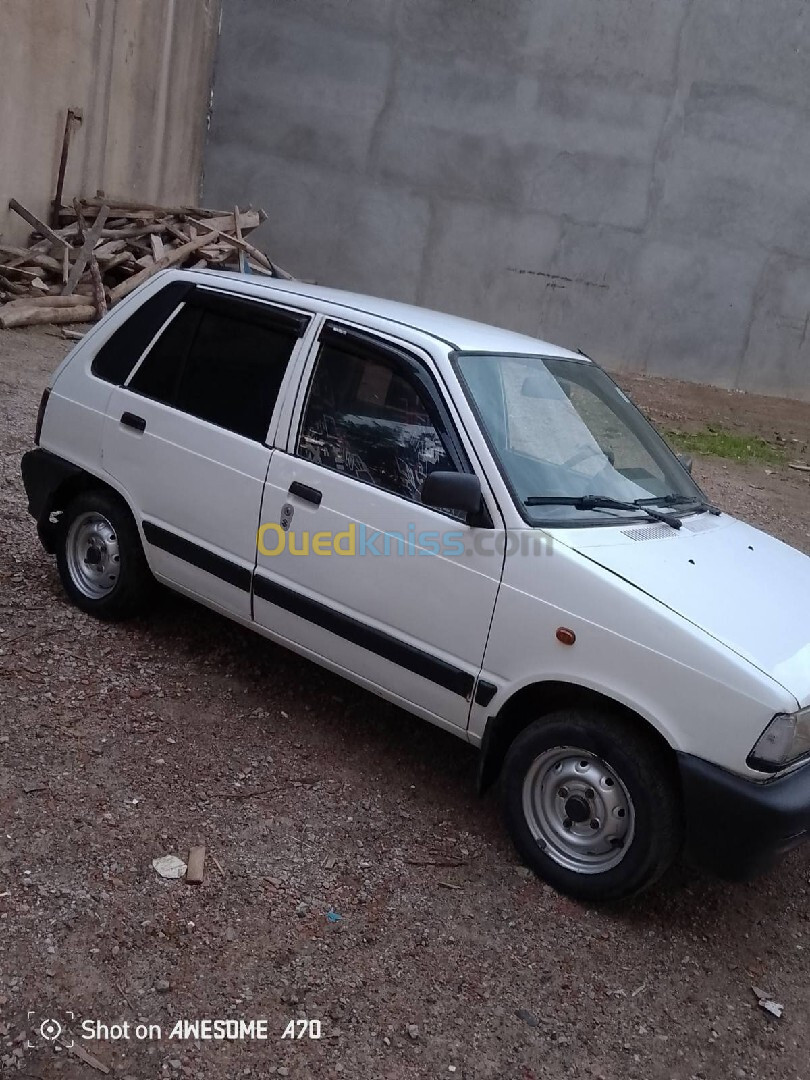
column 35, row 258
column 35, row 222
column 30, row 315
column 72, row 116
column 47, row 301
column 176, row 255
column 86, row 251
column 98, row 288
column 134, row 205
column 254, row 252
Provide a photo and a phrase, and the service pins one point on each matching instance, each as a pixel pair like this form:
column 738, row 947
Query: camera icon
column 50, row 1030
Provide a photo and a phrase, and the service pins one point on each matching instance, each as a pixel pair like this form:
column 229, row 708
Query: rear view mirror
column 452, row 491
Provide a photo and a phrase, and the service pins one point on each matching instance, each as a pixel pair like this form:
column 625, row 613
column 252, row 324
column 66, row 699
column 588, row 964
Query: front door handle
column 129, row 419
column 305, row 492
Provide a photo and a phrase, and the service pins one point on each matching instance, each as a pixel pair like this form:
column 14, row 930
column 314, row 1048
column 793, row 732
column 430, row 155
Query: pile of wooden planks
column 102, row 248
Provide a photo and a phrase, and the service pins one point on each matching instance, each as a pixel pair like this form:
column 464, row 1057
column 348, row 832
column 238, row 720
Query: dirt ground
column 120, row 744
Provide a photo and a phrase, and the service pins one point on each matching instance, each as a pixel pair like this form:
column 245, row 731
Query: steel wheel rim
column 92, row 555
column 578, row 810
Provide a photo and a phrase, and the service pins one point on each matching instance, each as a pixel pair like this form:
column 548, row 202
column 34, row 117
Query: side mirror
column 686, row 461
column 452, row 491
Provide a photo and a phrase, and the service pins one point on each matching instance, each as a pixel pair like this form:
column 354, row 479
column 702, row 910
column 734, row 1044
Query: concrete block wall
column 626, row 176
column 140, row 71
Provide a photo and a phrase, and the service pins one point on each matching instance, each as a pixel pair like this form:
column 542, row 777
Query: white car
column 473, row 524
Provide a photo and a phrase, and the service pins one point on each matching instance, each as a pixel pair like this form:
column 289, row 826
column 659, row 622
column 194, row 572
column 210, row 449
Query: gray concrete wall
column 631, row 177
column 140, row 70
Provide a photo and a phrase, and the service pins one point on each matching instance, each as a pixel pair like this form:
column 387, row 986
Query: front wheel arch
column 532, row 702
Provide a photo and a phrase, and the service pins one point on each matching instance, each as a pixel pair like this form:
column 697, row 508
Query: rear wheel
column 99, row 556
column 592, row 804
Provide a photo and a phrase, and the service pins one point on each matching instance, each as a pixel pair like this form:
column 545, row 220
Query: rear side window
column 233, row 374
column 121, row 351
column 222, row 361
column 159, row 375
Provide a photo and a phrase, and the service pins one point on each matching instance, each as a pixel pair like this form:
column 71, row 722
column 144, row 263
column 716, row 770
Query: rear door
column 352, row 567
column 187, row 438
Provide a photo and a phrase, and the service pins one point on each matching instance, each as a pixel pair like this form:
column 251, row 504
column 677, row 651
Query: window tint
column 368, row 419
column 221, row 368
column 121, row 351
column 233, row 373
column 159, row 374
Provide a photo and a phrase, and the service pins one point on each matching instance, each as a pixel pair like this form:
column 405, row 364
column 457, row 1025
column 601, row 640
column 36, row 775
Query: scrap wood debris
column 102, row 248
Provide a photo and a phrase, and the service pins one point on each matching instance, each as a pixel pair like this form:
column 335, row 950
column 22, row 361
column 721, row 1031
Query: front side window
column 221, row 368
column 365, row 417
column 562, row 429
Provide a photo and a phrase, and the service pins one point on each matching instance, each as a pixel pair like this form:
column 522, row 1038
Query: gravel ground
column 121, row 744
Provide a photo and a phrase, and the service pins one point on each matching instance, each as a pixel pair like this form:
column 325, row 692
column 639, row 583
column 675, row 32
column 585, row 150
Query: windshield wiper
column 683, row 501
column 601, row 502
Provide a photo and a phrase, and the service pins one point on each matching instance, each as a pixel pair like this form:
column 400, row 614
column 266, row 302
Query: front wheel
column 592, row 804
column 99, row 556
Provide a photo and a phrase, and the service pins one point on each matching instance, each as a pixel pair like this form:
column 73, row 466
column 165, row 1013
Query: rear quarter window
column 121, row 351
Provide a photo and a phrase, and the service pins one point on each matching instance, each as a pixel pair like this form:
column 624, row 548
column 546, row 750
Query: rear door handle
column 129, row 419
column 305, row 492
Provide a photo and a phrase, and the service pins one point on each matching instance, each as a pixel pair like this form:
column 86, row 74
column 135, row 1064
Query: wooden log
column 283, row 274
column 254, row 252
column 35, row 222
column 169, row 259
column 136, row 206
column 81, row 227
column 106, row 251
column 124, row 259
column 53, row 301
column 86, row 250
column 12, row 286
column 132, row 231
column 157, row 246
column 30, row 315
column 244, row 266
column 27, row 273
column 248, row 220
column 98, row 288
column 35, row 257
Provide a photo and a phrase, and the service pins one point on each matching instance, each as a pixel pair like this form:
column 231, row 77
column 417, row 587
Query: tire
column 592, row 804
column 100, row 558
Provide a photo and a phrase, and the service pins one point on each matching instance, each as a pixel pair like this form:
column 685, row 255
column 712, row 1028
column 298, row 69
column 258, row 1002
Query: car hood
column 746, row 589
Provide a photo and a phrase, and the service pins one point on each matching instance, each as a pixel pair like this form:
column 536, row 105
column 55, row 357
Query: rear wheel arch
column 537, row 700
column 69, row 488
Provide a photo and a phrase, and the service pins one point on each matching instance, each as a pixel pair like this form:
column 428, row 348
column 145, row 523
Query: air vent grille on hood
column 651, row 532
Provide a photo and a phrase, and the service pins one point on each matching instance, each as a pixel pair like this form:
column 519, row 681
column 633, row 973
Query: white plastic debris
column 169, row 866
column 766, row 1002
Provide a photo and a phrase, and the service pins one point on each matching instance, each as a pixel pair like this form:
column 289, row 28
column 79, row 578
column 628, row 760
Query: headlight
column 784, row 741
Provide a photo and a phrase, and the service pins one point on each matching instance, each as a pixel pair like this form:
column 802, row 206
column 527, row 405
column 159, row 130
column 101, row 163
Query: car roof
column 463, row 334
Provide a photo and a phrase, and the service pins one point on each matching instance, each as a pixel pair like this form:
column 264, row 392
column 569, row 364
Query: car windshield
column 563, row 429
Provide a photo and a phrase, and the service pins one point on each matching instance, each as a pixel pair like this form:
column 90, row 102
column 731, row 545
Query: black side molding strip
column 484, row 692
column 367, row 637
column 202, row 558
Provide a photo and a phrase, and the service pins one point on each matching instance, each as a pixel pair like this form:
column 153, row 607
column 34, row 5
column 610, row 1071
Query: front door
column 352, row 568
column 186, row 438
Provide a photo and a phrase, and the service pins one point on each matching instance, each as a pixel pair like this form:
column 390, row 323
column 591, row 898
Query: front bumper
column 737, row 828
